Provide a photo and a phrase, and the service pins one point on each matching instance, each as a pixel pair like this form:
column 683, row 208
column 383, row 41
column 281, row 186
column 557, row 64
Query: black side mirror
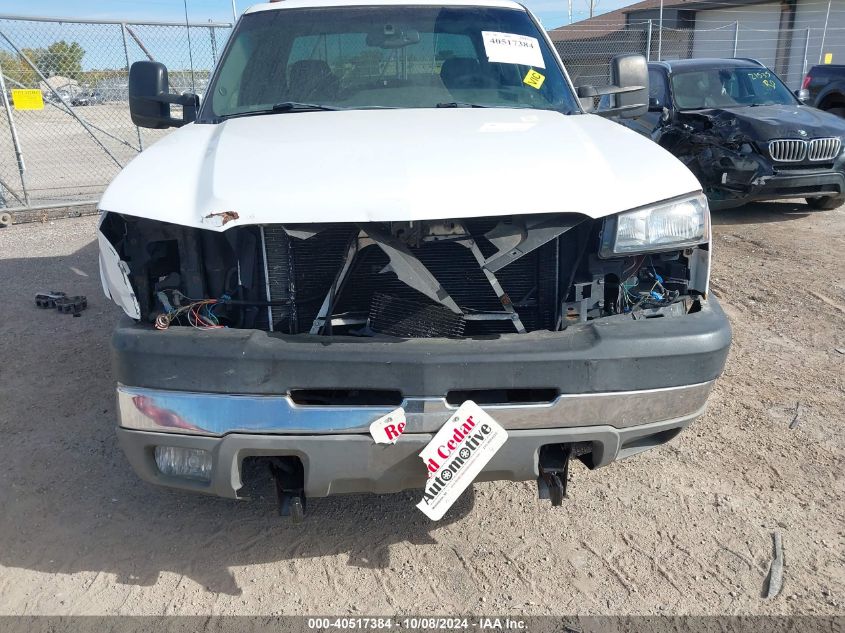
column 803, row 95
column 654, row 105
column 630, row 72
column 150, row 98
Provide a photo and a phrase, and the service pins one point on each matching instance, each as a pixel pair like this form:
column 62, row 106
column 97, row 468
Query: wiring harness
column 181, row 309
column 656, row 296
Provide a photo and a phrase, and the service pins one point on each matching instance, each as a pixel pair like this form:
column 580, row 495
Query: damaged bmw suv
column 400, row 205
column 745, row 136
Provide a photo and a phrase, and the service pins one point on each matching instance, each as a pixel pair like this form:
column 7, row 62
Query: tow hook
column 554, row 472
column 290, row 487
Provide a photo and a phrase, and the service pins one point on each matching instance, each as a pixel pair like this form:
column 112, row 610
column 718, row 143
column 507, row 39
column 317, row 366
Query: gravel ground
column 684, row 529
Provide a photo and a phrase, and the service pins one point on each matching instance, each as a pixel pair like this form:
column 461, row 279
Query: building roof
column 613, row 21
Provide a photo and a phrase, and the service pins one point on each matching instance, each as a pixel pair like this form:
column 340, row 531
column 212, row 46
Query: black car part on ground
column 730, row 152
column 426, row 279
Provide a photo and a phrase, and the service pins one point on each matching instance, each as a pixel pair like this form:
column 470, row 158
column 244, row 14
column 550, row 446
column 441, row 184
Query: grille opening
column 457, row 397
column 407, row 318
column 345, row 397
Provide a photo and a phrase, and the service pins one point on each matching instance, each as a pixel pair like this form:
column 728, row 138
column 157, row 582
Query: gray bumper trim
column 338, row 464
column 217, row 414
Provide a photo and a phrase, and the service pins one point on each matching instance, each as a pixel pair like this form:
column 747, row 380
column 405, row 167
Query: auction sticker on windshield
column 461, row 448
column 509, row 48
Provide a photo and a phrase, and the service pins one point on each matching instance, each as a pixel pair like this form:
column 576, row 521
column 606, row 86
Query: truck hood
column 383, row 165
column 764, row 123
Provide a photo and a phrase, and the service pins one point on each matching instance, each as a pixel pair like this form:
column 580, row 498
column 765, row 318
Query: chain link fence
column 587, row 52
column 67, row 151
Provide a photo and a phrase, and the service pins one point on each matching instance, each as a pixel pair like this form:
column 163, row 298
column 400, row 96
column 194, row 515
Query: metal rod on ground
column 139, row 42
column 648, row 43
column 38, row 72
column 824, row 32
column 660, row 34
column 126, row 54
column 736, row 36
column 15, row 140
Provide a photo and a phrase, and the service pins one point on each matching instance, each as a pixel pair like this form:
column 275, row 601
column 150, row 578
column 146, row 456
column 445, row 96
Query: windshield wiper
column 284, row 106
column 459, row 104
column 295, row 106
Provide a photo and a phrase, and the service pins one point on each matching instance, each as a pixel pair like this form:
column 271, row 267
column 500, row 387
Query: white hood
column 404, row 164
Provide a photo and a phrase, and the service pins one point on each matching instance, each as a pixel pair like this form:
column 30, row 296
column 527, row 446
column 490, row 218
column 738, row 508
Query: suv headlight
column 668, row 226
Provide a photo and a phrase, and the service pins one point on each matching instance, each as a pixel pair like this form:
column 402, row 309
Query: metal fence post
column 824, row 32
column 190, row 48
column 15, row 140
column 660, row 34
column 212, row 35
column 648, row 43
column 806, row 50
column 126, row 54
column 736, row 36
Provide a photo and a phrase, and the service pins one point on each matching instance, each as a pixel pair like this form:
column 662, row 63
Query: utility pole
column 234, row 11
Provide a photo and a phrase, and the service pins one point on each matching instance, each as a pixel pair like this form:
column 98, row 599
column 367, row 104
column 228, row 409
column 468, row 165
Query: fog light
column 193, row 463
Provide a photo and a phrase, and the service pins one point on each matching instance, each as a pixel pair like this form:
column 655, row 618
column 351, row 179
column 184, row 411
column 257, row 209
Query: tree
column 59, row 58
column 17, row 73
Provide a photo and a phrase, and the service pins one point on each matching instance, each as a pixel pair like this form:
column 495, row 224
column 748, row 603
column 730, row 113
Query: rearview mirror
column 150, row 98
column 630, row 72
column 803, row 95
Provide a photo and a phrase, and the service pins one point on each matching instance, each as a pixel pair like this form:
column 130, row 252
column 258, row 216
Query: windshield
column 386, row 57
column 729, row 87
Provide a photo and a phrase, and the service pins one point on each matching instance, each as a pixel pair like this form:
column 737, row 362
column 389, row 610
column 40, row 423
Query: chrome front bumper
column 217, row 415
column 339, row 456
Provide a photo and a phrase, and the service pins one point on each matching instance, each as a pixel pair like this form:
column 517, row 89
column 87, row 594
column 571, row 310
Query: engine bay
column 436, row 278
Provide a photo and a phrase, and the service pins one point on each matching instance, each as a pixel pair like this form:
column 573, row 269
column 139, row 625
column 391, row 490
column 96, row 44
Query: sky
column 552, row 13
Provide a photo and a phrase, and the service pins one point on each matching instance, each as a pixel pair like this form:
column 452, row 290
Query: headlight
column 667, row 226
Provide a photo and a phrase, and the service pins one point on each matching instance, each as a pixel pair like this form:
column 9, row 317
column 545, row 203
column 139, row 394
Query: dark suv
column 743, row 133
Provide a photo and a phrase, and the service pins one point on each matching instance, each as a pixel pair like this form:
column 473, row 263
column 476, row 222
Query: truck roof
column 313, row 4
column 707, row 62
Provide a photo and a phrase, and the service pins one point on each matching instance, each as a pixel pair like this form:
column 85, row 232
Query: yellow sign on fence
column 828, row 58
column 27, row 99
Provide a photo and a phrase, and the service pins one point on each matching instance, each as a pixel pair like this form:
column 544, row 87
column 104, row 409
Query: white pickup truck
column 389, row 203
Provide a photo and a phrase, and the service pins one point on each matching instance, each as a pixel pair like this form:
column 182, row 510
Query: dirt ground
column 684, row 529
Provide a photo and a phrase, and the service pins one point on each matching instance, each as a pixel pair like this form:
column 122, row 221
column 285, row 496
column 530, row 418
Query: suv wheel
column 825, row 203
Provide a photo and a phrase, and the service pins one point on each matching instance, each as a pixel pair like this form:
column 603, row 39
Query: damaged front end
column 452, row 278
column 722, row 156
column 733, row 158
